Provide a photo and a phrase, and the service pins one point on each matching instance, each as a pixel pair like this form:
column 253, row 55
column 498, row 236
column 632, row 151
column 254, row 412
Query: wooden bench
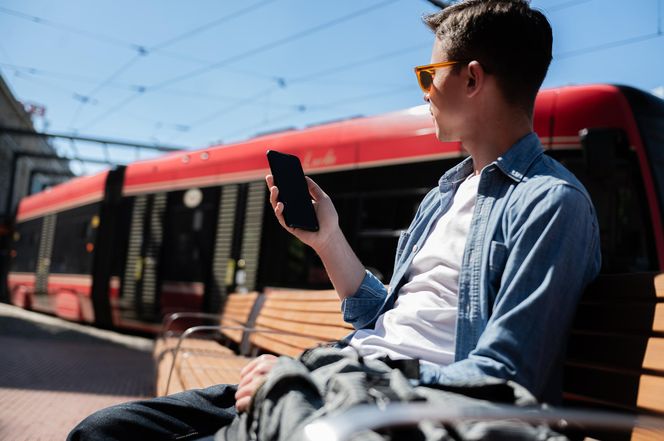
column 615, row 357
column 225, row 342
column 615, row 362
column 615, row 353
column 287, row 323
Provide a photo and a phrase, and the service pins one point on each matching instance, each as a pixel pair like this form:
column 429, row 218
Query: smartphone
column 293, row 191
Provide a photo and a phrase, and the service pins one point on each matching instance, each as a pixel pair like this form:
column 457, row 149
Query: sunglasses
column 426, row 73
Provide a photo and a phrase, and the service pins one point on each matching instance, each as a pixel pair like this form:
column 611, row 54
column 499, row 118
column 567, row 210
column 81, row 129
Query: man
column 488, row 275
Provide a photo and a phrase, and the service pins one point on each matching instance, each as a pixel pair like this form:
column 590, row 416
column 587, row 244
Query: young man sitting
column 488, row 275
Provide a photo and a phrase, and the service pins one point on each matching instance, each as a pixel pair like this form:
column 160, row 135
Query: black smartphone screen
column 293, row 190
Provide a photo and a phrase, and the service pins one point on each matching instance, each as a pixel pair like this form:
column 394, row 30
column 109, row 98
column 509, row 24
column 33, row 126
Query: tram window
column 649, row 114
column 74, row 240
column 373, row 206
column 619, row 198
column 26, row 245
column 388, row 205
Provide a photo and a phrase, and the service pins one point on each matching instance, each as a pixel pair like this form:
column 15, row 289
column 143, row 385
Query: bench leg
column 188, row 415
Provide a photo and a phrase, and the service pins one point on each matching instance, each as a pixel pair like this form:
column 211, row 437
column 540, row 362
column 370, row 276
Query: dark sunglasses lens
column 426, row 79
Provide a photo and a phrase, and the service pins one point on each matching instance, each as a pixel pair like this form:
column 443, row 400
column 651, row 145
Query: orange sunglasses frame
column 431, row 69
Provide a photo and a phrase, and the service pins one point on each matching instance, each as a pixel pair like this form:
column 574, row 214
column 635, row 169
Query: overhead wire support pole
column 118, row 142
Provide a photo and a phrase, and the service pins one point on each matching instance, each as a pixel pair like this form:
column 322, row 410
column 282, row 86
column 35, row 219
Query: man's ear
column 476, row 77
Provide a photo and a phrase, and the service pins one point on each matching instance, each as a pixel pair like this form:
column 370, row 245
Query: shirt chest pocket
column 497, row 259
column 401, row 245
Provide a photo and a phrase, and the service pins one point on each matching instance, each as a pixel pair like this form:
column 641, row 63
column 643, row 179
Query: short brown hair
column 508, row 38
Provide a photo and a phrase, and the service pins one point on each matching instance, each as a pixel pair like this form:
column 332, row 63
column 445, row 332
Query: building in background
column 27, row 165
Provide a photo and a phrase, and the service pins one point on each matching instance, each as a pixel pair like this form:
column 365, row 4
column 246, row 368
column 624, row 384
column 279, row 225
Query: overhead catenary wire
column 246, row 54
column 72, row 29
column 103, row 38
column 565, row 54
column 138, row 91
column 272, row 45
column 214, row 23
column 88, row 96
column 323, row 107
column 140, row 50
column 244, row 102
column 160, row 46
column 609, row 45
column 34, row 71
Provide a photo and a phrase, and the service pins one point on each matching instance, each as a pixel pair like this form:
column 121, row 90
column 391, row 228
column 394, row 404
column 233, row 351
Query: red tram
column 123, row 247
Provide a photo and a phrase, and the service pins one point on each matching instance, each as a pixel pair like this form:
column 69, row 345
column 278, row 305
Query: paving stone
column 54, row 373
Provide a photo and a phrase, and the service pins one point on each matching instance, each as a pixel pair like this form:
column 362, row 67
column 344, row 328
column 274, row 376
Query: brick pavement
column 53, row 373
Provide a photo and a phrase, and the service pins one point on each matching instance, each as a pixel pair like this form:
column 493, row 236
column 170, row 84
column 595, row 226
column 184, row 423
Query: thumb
column 315, row 191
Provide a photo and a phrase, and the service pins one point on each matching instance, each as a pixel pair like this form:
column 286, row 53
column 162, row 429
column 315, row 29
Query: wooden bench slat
column 651, row 393
column 654, row 358
column 188, row 345
column 618, row 318
column 322, row 318
column 630, row 287
column 259, row 339
column 232, row 334
column 324, row 332
column 302, row 295
column 237, row 311
column 659, row 285
column 240, row 314
column 622, row 389
column 322, row 306
column 265, row 341
column 614, row 350
column 200, row 371
column 641, row 434
column 241, row 306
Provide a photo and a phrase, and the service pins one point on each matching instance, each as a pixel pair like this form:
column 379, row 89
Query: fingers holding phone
column 300, row 205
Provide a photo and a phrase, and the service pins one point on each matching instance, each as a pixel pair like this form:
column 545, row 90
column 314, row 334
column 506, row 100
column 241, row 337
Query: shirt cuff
column 361, row 308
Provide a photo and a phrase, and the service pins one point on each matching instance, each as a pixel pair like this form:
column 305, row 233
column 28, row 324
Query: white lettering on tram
column 323, row 161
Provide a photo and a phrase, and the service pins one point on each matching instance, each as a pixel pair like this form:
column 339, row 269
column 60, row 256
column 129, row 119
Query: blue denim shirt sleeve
column 363, row 306
column 550, row 254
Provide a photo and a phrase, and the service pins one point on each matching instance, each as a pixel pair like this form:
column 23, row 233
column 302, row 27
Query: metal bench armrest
column 343, row 426
column 188, row 333
column 171, row 318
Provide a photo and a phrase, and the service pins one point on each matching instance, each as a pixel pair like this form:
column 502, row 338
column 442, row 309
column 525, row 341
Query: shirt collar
column 514, row 163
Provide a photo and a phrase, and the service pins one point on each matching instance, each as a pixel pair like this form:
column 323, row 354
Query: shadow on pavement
column 41, row 356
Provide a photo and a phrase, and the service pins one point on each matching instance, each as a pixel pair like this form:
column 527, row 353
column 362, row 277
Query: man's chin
column 446, row 137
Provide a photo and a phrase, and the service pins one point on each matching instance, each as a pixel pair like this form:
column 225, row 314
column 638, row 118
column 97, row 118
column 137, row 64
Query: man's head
column 501, row 43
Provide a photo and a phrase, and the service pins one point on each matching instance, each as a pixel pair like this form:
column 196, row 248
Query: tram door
column 139, row 286
column 187, row 249
column 40, row 299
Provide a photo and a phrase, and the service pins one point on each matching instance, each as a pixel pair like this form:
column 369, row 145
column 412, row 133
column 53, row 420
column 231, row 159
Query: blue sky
column 194, row 73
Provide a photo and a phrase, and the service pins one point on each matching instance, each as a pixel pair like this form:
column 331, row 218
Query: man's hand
column 328, row 219
column 252, row 377
column 343, row 267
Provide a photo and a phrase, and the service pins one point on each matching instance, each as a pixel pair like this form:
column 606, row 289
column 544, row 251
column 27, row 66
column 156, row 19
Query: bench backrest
column 237, row 313
column 309, row 317
column 615, row 356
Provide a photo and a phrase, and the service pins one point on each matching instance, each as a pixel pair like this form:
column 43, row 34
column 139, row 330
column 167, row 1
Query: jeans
column 190, row 415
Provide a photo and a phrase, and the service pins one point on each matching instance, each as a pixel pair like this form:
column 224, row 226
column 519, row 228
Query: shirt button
column 414, row 248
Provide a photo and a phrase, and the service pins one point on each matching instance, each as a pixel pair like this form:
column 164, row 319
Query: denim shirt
column 532, row 247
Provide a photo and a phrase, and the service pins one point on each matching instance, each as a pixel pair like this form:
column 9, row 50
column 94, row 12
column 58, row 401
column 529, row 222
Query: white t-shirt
column 422, row 323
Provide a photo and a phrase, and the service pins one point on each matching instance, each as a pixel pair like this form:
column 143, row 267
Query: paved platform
column 54, row 373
